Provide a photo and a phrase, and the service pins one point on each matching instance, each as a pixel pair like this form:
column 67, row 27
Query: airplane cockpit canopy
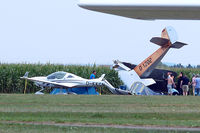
column 57, row 75
column 70, row 76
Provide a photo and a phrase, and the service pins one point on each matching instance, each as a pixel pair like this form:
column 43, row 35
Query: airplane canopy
column 57, row 75
column 61, row 75
column 146, row 9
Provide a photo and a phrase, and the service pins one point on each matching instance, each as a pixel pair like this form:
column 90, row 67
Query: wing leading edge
column 147, row 10
column 67, row 85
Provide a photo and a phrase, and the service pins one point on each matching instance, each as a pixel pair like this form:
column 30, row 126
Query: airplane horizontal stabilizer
column 159, row 41
column 178, row 45
column 162, row 41
column 148, row 81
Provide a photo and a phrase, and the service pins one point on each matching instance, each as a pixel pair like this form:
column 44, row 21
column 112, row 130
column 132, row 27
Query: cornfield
column 10, row 74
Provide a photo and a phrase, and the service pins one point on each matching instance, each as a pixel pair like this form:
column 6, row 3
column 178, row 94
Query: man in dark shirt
column 179, row 84
column 185, row 85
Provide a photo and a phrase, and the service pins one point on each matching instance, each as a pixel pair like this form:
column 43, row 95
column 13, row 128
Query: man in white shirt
column 197, row 81
column 194, row 84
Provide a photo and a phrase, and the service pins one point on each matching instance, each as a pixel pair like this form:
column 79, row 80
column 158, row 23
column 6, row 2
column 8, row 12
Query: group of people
column 183, row 84
column 196, row 84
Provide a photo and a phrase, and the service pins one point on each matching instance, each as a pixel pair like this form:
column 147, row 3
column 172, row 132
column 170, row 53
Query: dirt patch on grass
column 91, row 125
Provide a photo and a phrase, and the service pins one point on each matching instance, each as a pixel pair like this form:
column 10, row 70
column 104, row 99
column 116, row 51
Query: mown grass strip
column 160, row 119
column 133, row 110
column 24, row 128
column 106, row 103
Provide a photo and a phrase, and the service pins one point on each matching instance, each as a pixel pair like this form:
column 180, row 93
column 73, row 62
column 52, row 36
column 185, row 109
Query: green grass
column 23, row 128
column 120, row 110
column 160, row 119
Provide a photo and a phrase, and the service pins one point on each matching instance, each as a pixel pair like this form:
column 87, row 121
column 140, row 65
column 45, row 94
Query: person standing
column 169, row 83
column 173, row 83
column 197, row 86
column 185, row 85
column 92, row 76
column 193, row 84
column 179, row 83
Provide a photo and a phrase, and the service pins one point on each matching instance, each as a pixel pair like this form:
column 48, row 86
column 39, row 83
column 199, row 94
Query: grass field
column 17, row 128
column 175, row 111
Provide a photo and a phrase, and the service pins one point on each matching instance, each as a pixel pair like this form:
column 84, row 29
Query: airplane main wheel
column 72, row 93
column 175, row 94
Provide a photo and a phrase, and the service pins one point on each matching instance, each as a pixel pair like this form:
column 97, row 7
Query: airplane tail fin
column 168, row 35
column 102, row 77
column 25, row 75
column 167, row 40
column 120, row 66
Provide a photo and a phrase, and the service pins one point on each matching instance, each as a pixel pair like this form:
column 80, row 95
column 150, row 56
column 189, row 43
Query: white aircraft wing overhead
column 68, row 85
column 147, row 9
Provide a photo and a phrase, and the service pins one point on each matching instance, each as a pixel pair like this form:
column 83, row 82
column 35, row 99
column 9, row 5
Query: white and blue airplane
column 66, row 80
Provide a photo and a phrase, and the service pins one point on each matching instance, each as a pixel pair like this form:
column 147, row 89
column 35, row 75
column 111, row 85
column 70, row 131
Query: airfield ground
column 75, row 113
